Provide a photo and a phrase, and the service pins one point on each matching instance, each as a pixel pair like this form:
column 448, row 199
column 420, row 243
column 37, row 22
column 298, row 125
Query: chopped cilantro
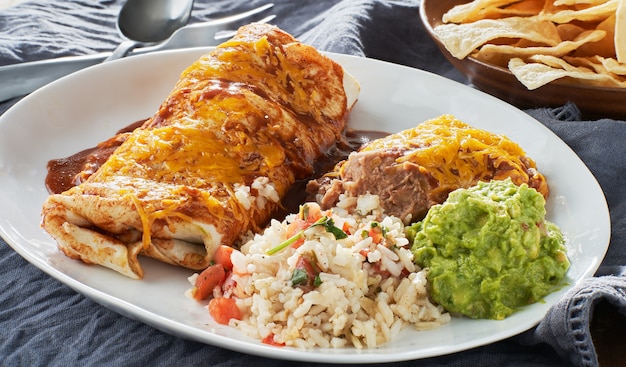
column 299, row 277
column 318, row 281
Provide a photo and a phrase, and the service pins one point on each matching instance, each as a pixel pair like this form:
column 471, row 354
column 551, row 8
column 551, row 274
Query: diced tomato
column 376, row 234
column 364, row 252
column 296, row 226
column 304, row 262
column 312, row 213
column 299, row 242
column 377, row 269
column 269, row 339
column 346, row 227
column 223, row 310
column 222, row 256
column 210, row 278
column 293, row 228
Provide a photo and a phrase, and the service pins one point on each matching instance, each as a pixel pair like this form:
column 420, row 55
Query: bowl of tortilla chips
column 537, row 53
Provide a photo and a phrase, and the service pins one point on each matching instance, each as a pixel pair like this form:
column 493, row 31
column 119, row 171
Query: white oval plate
column 87, row 107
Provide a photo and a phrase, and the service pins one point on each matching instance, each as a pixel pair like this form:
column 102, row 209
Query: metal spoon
column 144, row 22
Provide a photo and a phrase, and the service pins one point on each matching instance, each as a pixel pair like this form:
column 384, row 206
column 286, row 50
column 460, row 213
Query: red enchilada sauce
column 65, row 173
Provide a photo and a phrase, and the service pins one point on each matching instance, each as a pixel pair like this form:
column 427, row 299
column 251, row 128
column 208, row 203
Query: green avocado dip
column 489, row 250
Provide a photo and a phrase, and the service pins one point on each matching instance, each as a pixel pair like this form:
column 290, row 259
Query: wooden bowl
column 593, row 101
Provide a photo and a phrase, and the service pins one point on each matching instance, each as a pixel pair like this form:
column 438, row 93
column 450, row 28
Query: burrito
column 241, row 126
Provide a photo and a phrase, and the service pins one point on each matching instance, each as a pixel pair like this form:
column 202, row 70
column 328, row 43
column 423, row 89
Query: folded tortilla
column 242, row 124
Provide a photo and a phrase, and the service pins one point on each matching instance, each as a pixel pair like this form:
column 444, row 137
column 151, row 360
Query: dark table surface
column 44, row 322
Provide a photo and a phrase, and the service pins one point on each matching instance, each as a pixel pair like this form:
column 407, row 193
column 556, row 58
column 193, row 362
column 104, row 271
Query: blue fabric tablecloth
column 45, row 323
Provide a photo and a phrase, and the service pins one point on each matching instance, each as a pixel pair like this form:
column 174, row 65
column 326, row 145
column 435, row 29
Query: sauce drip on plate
column 63, row 173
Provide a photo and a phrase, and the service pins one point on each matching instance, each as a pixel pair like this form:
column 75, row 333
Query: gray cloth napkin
column 43, row 322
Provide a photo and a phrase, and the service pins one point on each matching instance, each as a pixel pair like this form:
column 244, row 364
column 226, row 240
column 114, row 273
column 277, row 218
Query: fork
column 21, row 79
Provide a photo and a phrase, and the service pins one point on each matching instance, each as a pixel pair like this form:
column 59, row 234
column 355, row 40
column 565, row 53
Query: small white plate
column 87, row 107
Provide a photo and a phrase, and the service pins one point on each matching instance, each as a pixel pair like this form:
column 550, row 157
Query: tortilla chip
column 536, row 74
column 601, row 65
column 561, row 38
column 569, row 31
column 524, row 8
column 593, row 63
column 473, row 11
column 461, row 39
column 579, row 2
column 595, row 13
column 491, row 53
column 530, row 7
column 613, row 66
column 555, row 62
column 620, row 32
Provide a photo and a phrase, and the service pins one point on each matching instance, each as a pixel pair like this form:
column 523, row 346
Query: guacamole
column 490, row 250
